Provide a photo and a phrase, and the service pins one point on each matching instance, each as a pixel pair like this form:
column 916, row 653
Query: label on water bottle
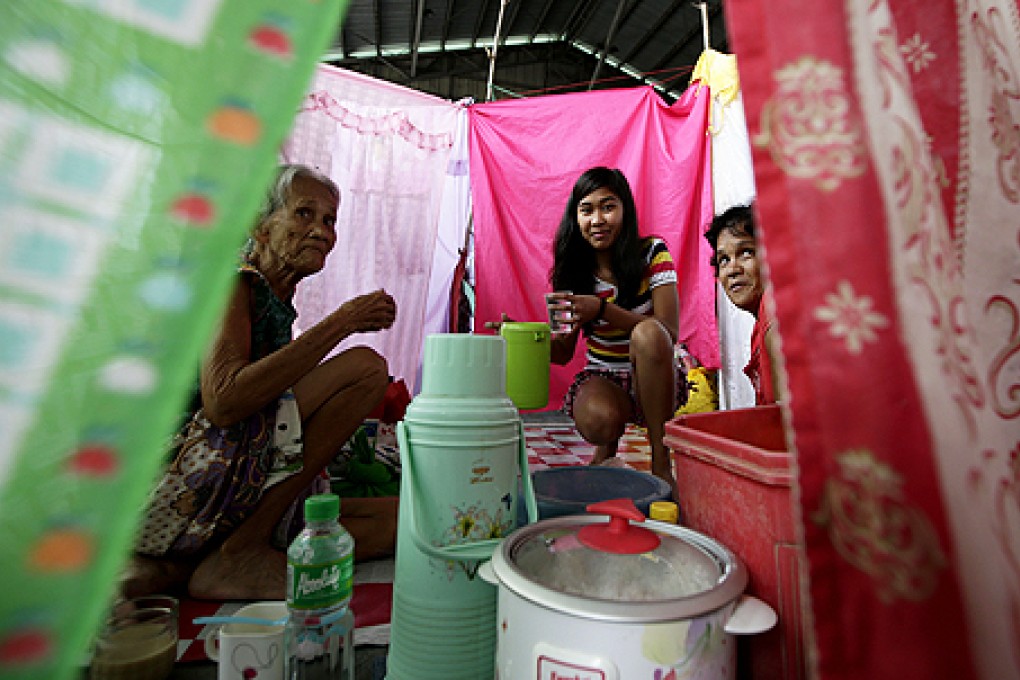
column 315, row 586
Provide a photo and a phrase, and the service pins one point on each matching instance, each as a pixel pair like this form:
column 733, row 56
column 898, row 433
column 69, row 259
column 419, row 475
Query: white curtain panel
column 389, row 150
column 454, row 218
column 732, row 184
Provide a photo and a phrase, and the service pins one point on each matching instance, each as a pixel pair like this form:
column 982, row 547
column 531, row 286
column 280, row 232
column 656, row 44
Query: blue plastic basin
column 569, row 490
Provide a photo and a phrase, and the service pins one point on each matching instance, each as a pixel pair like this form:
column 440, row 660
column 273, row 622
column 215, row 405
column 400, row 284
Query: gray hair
column 276, row 197
column 279, row 190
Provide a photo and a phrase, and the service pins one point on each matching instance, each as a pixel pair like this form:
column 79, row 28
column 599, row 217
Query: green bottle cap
column 322, row 506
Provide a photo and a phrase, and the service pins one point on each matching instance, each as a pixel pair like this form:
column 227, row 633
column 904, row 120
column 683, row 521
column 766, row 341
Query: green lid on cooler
column 321, row 507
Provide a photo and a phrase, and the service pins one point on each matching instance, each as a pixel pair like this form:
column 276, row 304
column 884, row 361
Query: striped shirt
column 609, row 347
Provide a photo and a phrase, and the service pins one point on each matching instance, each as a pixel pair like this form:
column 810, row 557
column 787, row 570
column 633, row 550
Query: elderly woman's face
column 740, row 269
column 303, row 231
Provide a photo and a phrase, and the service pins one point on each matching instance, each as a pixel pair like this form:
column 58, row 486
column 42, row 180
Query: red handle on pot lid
column 619, row 536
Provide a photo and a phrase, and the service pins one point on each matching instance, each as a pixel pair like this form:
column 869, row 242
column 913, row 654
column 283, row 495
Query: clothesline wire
column 676, row 72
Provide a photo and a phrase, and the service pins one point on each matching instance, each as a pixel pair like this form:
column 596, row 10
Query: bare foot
column 602, row 454
column 253, row 574
column 150, row 575
column 614, row 461
column 668, row 477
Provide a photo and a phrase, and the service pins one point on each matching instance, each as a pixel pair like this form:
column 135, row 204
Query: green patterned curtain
column 136, row 138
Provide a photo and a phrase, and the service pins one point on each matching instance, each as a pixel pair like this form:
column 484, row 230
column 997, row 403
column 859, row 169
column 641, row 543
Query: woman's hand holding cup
column 560, row 305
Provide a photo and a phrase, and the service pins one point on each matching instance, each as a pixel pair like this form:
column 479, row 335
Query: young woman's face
column 303, row 231
column 600, row 215
column 736, row 255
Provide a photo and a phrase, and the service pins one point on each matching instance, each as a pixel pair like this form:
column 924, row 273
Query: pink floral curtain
column 886, row 143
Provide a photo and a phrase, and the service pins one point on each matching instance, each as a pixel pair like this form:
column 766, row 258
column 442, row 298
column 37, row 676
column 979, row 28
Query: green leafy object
column 362, row 449
column 366, row 475
column 370, row 473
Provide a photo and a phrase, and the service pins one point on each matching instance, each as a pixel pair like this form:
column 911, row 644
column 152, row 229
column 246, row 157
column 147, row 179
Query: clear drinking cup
column 561, row 312
column 125, row 607
column 136, row 644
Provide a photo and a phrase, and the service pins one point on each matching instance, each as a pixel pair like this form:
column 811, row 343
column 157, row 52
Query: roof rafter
column 540, row 21
column 377, row 15
column 479, row 21
column 446, row 23
column 686, row 39
column 419, row 16
column 340, row 42
column 568, row 31
column 511, row 19
column 586, row 16
column 584, row 44
column 651, row 32
column 608, row 43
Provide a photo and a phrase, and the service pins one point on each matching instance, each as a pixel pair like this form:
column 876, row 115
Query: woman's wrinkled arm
column 234, row 387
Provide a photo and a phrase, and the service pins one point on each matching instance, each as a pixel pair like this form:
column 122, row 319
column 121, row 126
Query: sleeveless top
column 272, row 319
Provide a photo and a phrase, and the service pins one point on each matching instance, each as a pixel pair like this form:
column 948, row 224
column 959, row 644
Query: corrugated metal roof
column 443, row 46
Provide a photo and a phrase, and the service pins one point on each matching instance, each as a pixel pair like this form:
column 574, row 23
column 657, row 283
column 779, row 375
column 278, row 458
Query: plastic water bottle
column 320, row 581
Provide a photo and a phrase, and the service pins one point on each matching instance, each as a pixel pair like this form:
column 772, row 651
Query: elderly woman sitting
column 272, row 414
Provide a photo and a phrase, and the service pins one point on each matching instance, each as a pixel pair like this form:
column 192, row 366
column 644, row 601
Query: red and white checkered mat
column 549, row 445
column 560, row 446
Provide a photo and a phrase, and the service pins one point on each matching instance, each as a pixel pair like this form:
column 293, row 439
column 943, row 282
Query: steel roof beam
column 609, row 42
column 541, row 20
column 586, row 16
column 517, row 4
column 416, row 35
column 446, row 24
column 479, row 22
column 378, row 27
column 683, row 42
column 659, row 23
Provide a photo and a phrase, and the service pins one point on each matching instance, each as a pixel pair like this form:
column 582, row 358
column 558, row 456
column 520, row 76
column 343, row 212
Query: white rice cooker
column 586, row 599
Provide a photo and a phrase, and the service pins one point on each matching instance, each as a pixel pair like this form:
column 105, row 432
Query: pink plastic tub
column 734, row 475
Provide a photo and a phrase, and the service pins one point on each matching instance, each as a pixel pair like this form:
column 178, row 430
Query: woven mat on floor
column 560, row 445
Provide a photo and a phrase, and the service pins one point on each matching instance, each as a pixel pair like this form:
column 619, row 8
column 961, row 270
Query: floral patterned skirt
column 213, row 483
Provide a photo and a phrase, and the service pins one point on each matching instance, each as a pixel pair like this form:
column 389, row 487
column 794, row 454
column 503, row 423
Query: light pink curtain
column 388, row 148
column 526, row 155
column 886, row 140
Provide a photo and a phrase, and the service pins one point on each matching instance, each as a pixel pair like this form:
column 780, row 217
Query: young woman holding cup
column 618, row 290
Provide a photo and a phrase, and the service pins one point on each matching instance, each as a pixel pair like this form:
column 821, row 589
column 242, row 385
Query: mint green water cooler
column 462, row 450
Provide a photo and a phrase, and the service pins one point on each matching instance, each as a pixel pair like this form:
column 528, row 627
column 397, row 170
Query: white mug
column 250, row 651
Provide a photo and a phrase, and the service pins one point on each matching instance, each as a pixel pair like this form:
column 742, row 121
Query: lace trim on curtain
column 390, row 124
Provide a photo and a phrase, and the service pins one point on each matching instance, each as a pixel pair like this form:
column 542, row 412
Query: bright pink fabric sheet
column 526, row 155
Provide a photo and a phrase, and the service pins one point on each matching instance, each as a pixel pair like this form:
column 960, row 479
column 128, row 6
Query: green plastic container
column 527, row 363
